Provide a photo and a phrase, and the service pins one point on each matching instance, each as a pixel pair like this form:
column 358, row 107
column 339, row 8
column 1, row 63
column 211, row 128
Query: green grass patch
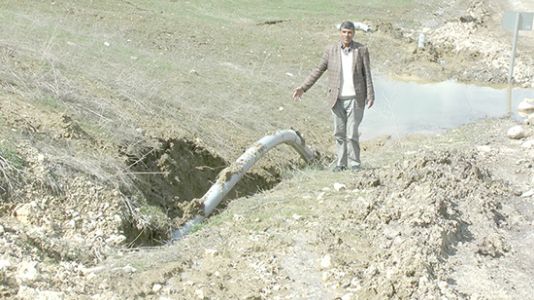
column 52, row 102
column 284, row 9
column 11, row 156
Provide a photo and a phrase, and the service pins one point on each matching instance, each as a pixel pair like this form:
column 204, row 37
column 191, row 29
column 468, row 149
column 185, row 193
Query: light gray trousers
column 348, row 115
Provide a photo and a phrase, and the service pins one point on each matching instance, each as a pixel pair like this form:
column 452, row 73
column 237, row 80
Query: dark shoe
column 339, row 168
column 355, row 168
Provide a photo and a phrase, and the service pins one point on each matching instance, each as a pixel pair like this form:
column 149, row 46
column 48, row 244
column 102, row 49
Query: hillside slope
column 114, row 115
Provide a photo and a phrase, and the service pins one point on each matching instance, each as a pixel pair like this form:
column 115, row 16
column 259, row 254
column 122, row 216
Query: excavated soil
column 98, row 164
column 440, row 221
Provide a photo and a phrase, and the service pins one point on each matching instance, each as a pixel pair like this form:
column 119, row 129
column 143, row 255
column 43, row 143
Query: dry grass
column 11, row 169
column 173, row 68
column 131, row 72
column 6, row 180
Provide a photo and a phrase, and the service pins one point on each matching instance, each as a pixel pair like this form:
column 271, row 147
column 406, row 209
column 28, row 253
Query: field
column 114, row 115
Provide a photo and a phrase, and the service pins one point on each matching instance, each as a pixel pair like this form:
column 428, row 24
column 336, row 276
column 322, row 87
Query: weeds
column 10, row 168
column 184, row 74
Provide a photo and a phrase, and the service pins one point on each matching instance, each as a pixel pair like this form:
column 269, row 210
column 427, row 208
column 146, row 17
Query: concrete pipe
column 231, row 175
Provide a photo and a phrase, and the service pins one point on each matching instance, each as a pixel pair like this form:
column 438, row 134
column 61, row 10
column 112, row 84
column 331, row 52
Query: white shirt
column 347, row 77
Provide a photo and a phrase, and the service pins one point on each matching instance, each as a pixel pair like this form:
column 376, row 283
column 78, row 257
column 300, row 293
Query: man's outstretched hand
column 297, row 93
column 370, row 103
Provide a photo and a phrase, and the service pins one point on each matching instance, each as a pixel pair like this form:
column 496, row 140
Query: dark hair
column 347, row 25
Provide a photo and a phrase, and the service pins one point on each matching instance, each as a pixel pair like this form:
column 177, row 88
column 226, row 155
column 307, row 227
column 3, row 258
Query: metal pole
column 514, row 46
column 511, row 74
column 509, row 100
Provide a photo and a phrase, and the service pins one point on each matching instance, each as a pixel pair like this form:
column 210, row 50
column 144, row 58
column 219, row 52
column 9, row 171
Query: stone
column 87, row 271
column 27, row 272
column 24, row 212
column 391, row 233
column 156, row 288
column 4, row 264
column 371, row 271
column 238, row 218
column 71, row 224
column 200, row 294
column 355, row 283
column 516, row 132
column 29, row 293
column 211, row 252
column 50, row 295
column 528, row 144
column 129, row 269
column 526, row 107
column 347, row 296
column 115, row 239
column 339, row 187
column 26, row 293
column 484, row 149
column 326, row 262
column 2, row 230
column 91, row 276
column 493, row 245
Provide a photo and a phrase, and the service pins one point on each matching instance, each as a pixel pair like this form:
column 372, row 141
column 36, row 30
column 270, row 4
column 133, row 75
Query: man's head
column 346, row 32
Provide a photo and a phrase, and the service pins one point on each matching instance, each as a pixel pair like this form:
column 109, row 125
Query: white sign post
column 515, row 21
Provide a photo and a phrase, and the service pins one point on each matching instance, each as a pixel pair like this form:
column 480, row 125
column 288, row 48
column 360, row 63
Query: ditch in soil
column 170, row 177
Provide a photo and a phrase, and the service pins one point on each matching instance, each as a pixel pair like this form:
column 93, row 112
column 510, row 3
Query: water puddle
column 408, row 107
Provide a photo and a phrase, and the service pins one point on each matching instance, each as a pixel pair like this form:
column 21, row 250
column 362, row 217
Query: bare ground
column 96, row 162
column 441, row 220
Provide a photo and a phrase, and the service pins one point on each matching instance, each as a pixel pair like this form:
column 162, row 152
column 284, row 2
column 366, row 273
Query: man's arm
column 368, row 78
column 313, row 77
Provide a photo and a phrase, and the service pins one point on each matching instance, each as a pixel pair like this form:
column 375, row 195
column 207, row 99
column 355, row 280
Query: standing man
column 350, row 88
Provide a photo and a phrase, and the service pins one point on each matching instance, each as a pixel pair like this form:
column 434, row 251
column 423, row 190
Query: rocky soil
column 86, row 203
column 466, row 44
column 428, row 217
column 446, row 220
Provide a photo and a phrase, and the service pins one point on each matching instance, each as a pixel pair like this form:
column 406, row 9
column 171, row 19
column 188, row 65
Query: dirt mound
column 106, row 134
column 49, row 239
column 396, row 231
column 469, row 45
column 422, row 209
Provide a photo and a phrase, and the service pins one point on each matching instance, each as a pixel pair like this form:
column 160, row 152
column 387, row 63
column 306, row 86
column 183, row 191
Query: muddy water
column 407, row 107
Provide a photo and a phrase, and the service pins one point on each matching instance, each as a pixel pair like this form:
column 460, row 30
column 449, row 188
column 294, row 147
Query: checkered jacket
column 331, row 61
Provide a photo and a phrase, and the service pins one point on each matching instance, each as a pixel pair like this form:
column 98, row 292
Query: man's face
column 346, row 35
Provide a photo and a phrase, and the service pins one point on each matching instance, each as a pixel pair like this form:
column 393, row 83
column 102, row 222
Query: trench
column 170, row 177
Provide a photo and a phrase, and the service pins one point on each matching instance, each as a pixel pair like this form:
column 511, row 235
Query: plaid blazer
column 331, row 61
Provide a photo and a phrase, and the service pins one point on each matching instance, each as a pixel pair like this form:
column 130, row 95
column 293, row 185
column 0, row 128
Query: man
column 350, row 88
